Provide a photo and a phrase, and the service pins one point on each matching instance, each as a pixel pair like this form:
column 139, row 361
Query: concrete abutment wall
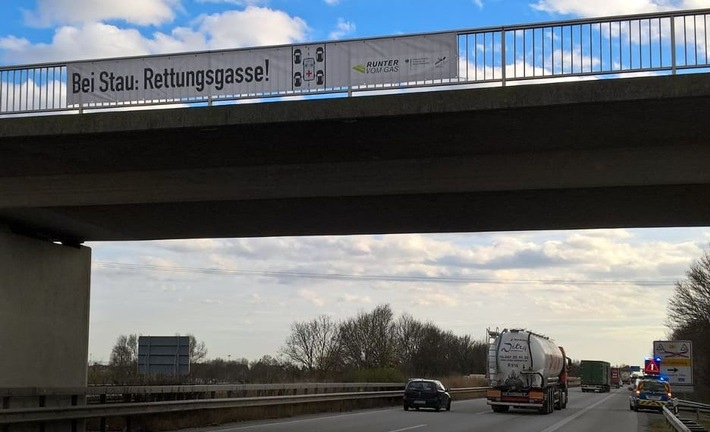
column 44, row 324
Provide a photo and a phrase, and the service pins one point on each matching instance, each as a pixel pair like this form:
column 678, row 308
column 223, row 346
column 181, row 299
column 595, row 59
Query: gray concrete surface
column 606, row 153
column 44, row 313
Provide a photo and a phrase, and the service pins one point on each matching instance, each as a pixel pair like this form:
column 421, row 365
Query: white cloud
column 141, row 12
column 311, row 296
column 614, row 7
column 478, row 3
column 73, row 43
column 332, row 2
column 342, row 29
column 253, row 26
column 352, row 298
column 435, row 299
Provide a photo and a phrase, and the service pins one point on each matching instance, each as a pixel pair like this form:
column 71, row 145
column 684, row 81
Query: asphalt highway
column 586, row 412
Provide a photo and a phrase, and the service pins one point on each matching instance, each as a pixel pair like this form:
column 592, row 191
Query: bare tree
column 368, row 339
column 408, row 337
column 689, row 318
column 690, row 303
column 314, row 344
column 124, row 359
column 198, row 350
column 125, row 351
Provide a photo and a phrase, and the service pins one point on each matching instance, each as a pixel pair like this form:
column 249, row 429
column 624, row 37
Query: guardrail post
column 74, row 423
column 42, row 403
column 502, row 56
column 5, row 405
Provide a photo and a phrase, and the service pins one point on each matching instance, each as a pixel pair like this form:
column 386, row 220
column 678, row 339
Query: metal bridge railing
column 658, row 43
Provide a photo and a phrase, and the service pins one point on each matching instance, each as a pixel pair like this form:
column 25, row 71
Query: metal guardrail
column 685, row 405
column 671, row 413
column 666, row 42
column 194, row 389
column 47, row 414
column 25, row 415
column 674, row 421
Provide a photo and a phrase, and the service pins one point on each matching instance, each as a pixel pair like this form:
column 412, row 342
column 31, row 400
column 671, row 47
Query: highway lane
column 586, row 412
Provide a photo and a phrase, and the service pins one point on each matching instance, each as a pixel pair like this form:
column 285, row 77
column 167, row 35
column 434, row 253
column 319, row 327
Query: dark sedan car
column 426, row 393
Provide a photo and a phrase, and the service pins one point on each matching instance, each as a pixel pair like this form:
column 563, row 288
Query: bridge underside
column 652, row 206
column 610, row 153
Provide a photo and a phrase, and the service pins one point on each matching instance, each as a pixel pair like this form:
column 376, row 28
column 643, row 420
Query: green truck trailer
column 596, row 376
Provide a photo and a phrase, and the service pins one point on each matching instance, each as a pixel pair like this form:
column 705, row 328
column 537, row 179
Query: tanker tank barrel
column 526, row 370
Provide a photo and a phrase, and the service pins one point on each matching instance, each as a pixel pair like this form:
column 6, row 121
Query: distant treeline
column 370, row 347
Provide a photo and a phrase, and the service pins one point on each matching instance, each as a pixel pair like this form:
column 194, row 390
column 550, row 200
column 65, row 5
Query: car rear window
column 652, row 386
column 421, row 385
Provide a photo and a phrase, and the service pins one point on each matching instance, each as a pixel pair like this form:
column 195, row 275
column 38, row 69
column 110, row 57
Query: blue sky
column 611, row 286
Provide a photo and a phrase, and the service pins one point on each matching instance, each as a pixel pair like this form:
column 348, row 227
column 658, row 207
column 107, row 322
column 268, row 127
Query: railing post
column 673, row 50
column 502, row 54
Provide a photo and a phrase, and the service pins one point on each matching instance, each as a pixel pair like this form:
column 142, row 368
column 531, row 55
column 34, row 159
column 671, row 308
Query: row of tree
column 376, row 340
column 372, row 346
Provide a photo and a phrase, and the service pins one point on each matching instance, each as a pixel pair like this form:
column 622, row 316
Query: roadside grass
column 705, row 420
column 659, row 425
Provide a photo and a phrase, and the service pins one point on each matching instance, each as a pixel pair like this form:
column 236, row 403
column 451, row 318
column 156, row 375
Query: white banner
column 393, row 60
column 265, row 71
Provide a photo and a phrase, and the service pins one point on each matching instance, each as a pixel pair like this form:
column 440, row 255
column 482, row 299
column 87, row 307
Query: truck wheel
column 548, row 404
column 563, row 397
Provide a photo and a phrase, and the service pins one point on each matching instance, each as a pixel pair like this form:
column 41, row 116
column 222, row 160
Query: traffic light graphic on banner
column 652, row 366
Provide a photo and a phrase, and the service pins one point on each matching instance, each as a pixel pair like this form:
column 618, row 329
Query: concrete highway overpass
column 605, row 153
column 585, row 154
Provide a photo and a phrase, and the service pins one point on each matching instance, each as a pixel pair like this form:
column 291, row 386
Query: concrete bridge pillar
column 44, row 325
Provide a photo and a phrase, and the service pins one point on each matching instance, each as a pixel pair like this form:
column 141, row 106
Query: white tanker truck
column 526, row 370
